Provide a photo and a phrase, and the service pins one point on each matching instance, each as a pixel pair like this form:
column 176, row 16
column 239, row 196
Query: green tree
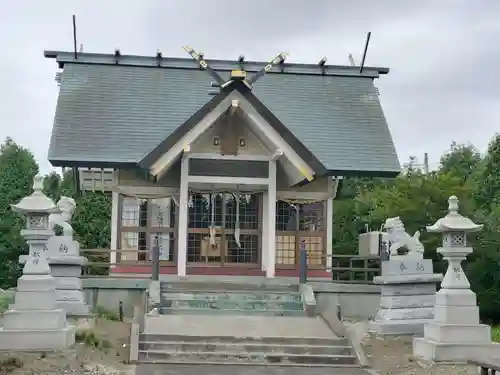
column 91, row 220
column 482, row 265
column 17, row 169
column 460, row 160
column 419, row 200
column 489, row 188
column 51, row 186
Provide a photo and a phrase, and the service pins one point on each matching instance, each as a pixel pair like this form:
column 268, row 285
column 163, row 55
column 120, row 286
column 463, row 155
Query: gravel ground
column 389, row 356
column 394, row 356
column 82, row 359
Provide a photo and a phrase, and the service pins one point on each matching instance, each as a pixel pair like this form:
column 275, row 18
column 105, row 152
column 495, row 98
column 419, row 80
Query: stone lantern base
column 33, row 321
column 429, row 350
column 455, row 334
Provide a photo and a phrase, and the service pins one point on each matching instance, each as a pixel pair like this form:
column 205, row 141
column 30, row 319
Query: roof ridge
column 63, row 57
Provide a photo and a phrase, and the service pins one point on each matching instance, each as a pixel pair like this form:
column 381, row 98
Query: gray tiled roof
column 118, row 114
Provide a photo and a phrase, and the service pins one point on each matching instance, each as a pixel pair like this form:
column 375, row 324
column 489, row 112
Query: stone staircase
column 227, row 350
column 230, row 299
column 260, row 324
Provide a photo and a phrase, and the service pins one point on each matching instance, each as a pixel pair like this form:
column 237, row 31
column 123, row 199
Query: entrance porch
column 224, row 230
column 221, row 225
column 238, row 196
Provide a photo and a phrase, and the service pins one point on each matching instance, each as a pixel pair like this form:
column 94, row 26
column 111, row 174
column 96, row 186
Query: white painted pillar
column 265, row 232
column 329, row 233
column 271, row 221
column 114, row 228
column 183, row 220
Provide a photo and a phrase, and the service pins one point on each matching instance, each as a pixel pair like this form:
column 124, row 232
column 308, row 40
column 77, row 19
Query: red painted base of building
column 215, row 271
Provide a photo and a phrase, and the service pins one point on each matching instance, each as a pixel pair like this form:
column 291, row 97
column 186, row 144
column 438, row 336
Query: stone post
column 455, row 333
column 66, row 268
column 33, row 321
column 66, row 263
column 408, row 285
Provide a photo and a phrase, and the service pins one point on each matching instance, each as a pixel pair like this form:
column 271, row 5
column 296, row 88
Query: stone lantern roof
column 37, row 202
column 453, row 221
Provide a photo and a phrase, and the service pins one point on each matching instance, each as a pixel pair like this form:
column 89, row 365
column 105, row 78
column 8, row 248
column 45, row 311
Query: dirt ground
column 394, row 356
column 85, row 358
column 390, row 356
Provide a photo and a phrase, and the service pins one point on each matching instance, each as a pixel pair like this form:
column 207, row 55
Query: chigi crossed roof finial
column 237, row 74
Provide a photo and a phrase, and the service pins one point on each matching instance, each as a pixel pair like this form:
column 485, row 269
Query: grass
column 102, row 313
column 5, row 300
column 9, row 364
column 89, row 338
column 495, row 333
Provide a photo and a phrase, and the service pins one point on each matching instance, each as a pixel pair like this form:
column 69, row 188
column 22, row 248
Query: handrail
column 345, row 268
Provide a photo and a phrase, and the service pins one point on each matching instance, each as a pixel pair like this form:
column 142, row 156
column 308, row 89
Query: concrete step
column 227, row 311
column 231, row 304
column 233, row 295
column 236, row 368
column 243, row 347
column 311, row 341
column 245, row 357
column 226, row 286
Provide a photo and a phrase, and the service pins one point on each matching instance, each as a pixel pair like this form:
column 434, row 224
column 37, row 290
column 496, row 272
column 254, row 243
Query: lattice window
column 142, row 220
column 248, row 210
column 130, row 212
column 225, row 248
column 300, row 225
column 312, row 217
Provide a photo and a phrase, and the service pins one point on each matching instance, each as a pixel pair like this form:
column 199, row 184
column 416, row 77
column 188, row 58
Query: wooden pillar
column 329, row 234
column 271, row 221
column 114, row 228
column 265, row 232
column 183, row 219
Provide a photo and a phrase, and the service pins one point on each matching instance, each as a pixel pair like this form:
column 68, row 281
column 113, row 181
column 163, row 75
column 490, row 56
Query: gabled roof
column 109, row 114
column 318, row 168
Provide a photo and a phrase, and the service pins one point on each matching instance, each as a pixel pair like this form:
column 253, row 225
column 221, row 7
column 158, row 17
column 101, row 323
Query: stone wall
column 357, row 302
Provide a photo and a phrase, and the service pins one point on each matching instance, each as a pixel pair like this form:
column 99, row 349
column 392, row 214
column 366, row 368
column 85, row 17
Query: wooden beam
column 229, row 180
column 166, row 160
column 230, row 131
column 262, row 125
column 277, row 154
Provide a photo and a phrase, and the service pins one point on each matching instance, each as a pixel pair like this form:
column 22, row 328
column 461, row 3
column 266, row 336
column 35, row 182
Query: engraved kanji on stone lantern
column 454, row 228
column 36, row 208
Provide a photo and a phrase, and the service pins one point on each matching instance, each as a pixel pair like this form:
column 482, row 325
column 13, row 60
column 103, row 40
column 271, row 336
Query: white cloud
column 442, row 85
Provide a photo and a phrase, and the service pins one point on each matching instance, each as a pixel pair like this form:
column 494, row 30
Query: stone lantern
column 36, row 208
column 454, row 228
column 455, row 333
column 33, row 321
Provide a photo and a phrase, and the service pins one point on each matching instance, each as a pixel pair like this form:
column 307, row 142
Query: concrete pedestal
column 408, row 287
column 455, row 333
column 33, row 321
column 66, row 269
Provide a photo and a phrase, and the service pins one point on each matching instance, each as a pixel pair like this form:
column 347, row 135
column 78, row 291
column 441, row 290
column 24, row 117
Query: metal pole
column 155, row 261
column 302, row 262
column 368, row 36
column 74, row 37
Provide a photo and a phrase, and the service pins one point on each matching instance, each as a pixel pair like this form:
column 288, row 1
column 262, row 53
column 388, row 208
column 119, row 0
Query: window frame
column 149, row 229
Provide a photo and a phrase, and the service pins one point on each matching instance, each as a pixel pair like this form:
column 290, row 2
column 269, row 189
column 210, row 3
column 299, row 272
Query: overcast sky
column 444, row 55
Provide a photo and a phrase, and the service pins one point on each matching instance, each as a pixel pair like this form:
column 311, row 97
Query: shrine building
column 228, row 166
